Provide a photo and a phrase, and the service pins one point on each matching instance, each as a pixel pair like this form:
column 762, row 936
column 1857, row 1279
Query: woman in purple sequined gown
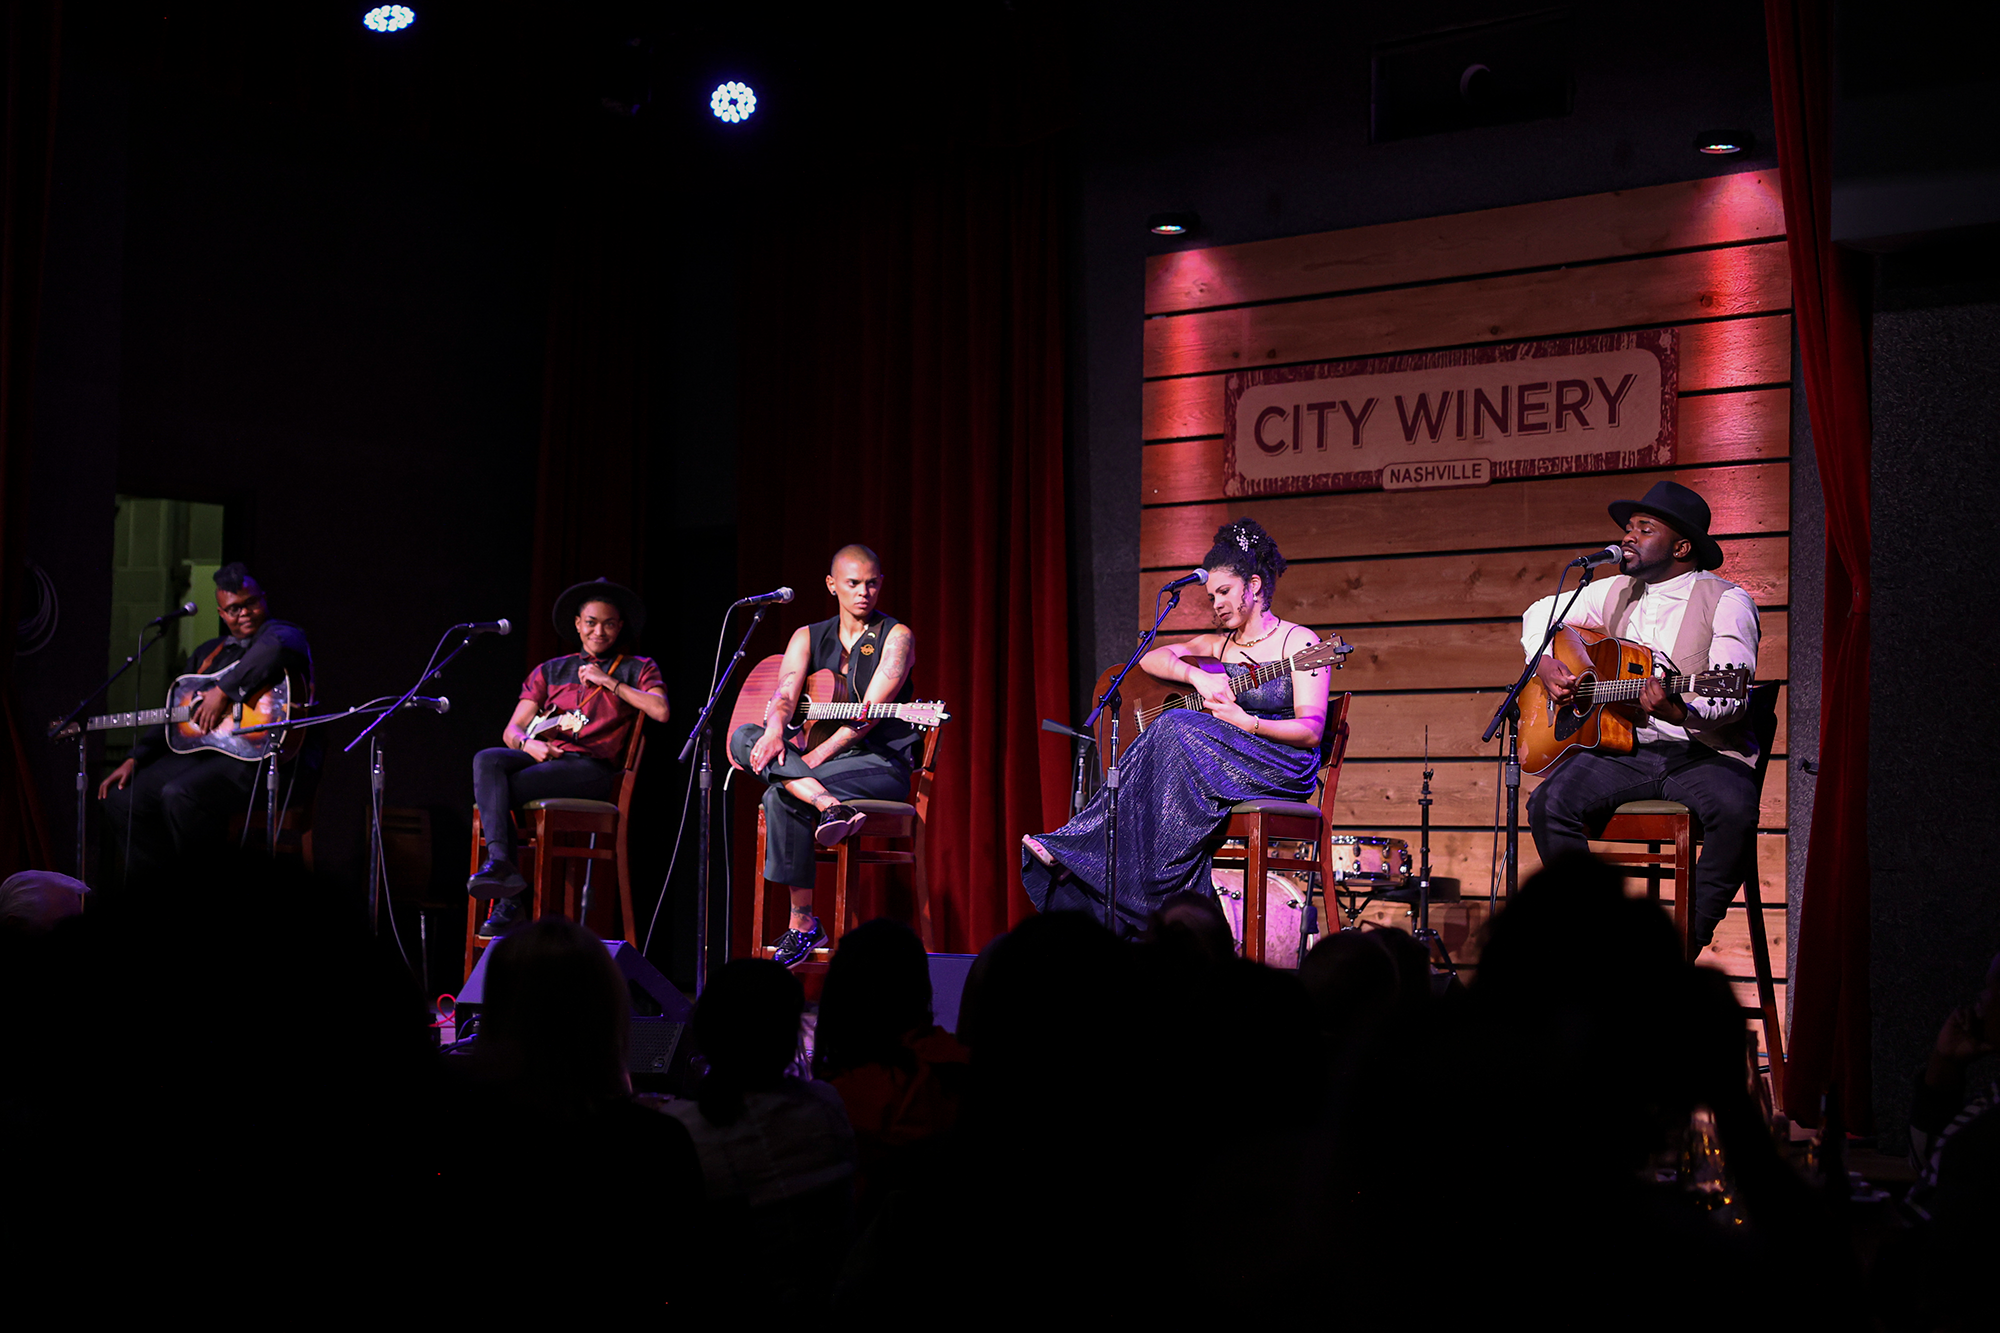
column 1185, row 771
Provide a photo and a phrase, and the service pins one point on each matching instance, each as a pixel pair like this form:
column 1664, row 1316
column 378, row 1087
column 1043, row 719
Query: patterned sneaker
column 837, row 823
column 795, row 946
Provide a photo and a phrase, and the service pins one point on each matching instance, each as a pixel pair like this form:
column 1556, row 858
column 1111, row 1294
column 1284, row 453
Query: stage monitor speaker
column 660, row 1048
column 948, row 973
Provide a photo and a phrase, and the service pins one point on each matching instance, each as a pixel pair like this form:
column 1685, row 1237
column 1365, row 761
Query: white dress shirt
column 1656, row 622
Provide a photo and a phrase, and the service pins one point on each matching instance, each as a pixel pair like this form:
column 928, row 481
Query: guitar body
column 1140, row 699
column 269, row 705
column 1549, row 731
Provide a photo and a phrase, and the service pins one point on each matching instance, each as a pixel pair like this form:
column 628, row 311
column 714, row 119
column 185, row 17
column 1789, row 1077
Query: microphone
column 489, row 627
column 186, row 609
column 766, row 598
column 1608, row 555
column 437, row 705
column 1198, row 576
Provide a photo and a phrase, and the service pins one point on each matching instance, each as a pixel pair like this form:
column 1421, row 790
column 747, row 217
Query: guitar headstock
column 573, row 721
column 925, row 715
column 70, row 730
column 1331, row 649
column 1724, row 682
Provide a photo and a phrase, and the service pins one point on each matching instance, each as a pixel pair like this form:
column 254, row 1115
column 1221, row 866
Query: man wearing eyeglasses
column 164, row 804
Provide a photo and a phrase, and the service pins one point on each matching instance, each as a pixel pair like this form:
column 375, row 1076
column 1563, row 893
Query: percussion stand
column 1111, row 701
column 1430, row 939
column 1509, row 715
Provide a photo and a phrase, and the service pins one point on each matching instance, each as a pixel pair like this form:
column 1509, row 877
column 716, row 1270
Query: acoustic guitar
column 1601, row 715
column 1144, row 697
column 255, row 716
column 823, row 707
column 573, row 721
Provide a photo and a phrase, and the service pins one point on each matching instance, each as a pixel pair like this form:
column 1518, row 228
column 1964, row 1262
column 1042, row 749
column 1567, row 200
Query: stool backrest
column 1332, row 750
column 1762, row 718
column 925, row 772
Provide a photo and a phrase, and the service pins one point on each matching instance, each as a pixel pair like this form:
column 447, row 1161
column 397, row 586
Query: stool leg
column 1684, row 883
column 1767, row 992
column 1253, row 893
column 756, row 895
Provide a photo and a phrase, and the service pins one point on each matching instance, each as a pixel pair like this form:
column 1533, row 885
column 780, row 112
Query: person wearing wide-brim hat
column 1667, row 597
column 569, row 733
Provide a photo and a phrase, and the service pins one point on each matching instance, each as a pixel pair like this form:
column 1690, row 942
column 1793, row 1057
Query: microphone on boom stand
column 1198, row 576
column 1607, row 555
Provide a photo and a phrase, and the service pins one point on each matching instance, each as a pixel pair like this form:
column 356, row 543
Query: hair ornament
column 1242, row 538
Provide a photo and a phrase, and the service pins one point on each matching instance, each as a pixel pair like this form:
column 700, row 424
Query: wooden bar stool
column 889, row 823
column 1669, row 832
column 1258, row 823
column 557, row 837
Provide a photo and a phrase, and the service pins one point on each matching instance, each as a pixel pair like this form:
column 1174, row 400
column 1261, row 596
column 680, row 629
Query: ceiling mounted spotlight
column 1173, row 224
column 388, row 18
column 1724, row 143
column 733, row 102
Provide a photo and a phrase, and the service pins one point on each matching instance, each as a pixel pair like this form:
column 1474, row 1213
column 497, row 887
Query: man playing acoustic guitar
column 866, row 761
column 164, row 804
column 568, row 734
column 1692, row 750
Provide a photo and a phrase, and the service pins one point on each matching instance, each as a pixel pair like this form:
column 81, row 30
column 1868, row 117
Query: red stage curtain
column 29, row 64
column 903, row 386
column 1830, row 1005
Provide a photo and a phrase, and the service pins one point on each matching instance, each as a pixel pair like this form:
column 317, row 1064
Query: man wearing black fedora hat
column 1667, row 597
column 610, row 687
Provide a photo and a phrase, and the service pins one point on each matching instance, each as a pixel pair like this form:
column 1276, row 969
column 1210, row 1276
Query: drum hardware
column 1424, row 935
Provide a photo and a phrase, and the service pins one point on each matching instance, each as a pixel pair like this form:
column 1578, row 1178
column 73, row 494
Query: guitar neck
column 145, row 717
column 1261, row 674
column 852, row 712
column 1624, row 691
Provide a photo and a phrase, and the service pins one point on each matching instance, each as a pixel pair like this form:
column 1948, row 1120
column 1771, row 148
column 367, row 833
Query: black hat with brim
column 572, row 601
column 1684, row 511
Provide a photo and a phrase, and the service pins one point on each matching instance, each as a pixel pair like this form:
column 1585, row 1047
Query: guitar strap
column 209, row 661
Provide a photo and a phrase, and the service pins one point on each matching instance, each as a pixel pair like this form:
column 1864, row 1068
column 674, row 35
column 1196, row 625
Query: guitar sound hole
column 1570, row 718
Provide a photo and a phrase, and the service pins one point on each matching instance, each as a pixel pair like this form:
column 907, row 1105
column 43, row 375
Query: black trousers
column 177, row 804
column 503, row 779
column 1572, row 806
column 857, row 775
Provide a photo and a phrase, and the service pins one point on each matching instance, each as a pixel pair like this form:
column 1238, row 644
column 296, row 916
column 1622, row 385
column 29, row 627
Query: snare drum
column 1358, row 861
column 1285, row 900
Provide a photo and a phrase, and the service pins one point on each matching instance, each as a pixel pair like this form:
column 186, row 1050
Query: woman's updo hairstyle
column 1245, row 549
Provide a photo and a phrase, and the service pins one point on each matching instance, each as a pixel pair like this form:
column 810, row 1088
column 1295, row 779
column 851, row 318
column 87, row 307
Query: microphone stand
column 83, row 737
column 1509, row 712
column 704, row 777
column 1084, row 744
column 1111, row 776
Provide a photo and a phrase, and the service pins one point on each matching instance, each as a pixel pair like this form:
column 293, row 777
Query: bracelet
column 1256, row 725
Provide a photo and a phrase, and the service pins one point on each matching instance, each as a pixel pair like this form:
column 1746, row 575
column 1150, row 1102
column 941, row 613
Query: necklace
column 1238, row 637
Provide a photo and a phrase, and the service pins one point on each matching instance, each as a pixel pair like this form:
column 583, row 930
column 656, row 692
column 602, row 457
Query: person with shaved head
column 807, row 790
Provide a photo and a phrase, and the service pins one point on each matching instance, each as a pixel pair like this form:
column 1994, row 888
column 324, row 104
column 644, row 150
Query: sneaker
column 496, row 879
column 795, row 946
column 837, row 823
column 507, row 913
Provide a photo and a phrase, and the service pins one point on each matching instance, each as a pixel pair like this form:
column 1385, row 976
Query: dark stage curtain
column 591, row 484
column 30, row 62
column 903, row 388
column 1830, row 1003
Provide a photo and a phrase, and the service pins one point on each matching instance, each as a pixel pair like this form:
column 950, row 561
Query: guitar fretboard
column 148, row 717
column 853, row 712
column 1621, row 691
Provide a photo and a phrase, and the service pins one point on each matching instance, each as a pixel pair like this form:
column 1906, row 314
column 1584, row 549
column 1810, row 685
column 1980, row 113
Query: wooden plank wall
column 1429, row 586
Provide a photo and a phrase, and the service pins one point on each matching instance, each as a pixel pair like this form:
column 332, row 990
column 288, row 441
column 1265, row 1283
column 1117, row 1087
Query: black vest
column 894, row 739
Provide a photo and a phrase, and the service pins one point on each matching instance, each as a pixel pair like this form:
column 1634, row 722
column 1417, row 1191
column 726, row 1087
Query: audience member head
column 34, row 901
column 557, row 1009
column 1354, row 983
column 878, row 991
column 746, row 1025
column 1193, row 923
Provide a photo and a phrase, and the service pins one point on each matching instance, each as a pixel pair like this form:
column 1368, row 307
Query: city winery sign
column 1601, row 403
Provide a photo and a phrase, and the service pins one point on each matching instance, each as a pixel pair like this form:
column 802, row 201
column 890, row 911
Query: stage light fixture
column 732, row 102
column 1724, row 143
column 1172, row 224
column 388, row 18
